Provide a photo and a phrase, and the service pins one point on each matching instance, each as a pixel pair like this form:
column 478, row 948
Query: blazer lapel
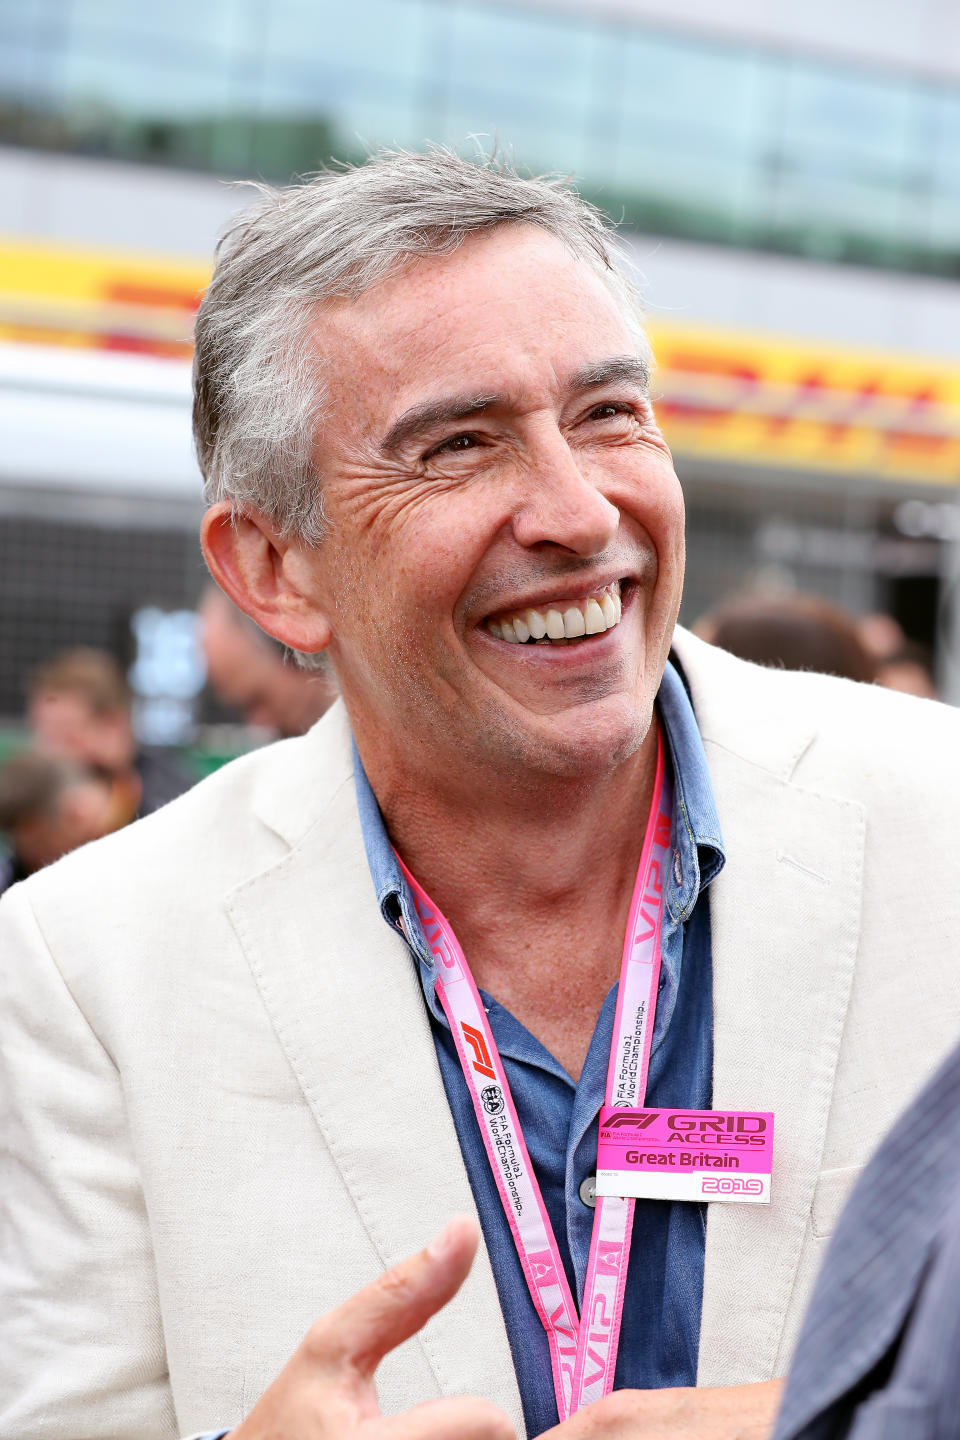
column 345, row 1000
column 785, row 925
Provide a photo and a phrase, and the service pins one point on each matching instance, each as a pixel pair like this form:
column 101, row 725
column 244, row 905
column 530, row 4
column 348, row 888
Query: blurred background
column 786, row 176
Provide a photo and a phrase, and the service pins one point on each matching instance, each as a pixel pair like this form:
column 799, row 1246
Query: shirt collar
column 698, row 846
column 393, row 892
column 698, row 854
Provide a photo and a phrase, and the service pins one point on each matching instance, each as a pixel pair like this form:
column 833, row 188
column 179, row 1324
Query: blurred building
column 786, row 175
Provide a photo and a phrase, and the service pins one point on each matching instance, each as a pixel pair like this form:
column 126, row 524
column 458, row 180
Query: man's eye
column 455, row 444
column 609, row 412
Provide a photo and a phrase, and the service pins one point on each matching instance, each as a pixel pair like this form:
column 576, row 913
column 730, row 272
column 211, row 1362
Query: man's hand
column 326, row 1392
column 730, row 1412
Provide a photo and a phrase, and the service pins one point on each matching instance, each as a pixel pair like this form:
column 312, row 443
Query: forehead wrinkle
column 434, row 412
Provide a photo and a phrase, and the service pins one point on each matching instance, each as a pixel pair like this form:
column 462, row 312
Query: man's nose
column 559, row 504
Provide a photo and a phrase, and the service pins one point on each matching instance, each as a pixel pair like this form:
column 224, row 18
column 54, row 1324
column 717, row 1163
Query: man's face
column 268, row 692
column 66, row 724
column 491, row 462
column 81, row 814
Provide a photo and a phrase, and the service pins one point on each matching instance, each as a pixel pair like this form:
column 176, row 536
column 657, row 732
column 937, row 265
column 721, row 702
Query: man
column 908, row 669
column 424, row 421
column 250, row 671
column 794, row 632
column 878, row 1354
column 48, row 807
column 79, row 705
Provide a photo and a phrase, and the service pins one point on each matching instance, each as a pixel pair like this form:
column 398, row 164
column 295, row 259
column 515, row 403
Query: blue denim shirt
column 661, row 1316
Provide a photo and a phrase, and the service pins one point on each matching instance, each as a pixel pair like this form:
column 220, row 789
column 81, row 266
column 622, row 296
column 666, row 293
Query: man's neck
column 537, row 887
column 539, row 842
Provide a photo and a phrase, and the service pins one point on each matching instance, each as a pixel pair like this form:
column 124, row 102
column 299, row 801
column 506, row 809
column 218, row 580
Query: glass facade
column 673, row 133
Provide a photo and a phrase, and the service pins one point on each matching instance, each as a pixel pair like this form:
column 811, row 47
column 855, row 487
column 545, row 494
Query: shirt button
column 588, row 1191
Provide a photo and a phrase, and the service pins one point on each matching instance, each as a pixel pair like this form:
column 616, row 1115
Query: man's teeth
column 568, row 620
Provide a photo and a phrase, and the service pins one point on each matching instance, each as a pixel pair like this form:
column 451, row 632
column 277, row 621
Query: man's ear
column 258, row 569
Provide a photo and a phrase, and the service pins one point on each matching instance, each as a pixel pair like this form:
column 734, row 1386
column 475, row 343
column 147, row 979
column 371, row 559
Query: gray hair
column 258, row 379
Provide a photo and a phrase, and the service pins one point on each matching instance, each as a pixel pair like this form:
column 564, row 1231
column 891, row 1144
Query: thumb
column 395, row 1306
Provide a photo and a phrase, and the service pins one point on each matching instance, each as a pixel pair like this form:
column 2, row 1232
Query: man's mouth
column 562, row 620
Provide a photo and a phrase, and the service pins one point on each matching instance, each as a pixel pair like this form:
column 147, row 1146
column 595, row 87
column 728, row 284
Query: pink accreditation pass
column 710, row 1155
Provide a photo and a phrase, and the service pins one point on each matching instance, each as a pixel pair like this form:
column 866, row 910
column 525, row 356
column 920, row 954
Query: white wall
column 109, row 204
column 109, row 424
column 840, row 303
column 919, row 35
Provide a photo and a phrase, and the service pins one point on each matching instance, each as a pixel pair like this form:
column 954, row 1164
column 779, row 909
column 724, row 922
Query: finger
column 382, row 1315
column 466, row 1418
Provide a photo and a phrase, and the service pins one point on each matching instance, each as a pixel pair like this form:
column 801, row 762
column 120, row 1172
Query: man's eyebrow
column 608, row 372
column 431, row 413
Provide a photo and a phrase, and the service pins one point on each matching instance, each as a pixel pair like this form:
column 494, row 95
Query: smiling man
column 549, row 853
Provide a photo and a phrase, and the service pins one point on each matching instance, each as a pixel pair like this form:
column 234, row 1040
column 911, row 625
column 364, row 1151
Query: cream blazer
column 203, row 1152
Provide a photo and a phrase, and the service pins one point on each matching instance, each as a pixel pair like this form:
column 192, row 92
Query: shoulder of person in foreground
column 877, row 1354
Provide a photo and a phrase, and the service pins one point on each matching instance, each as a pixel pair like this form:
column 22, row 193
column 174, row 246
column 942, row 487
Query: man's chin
column 581, row 742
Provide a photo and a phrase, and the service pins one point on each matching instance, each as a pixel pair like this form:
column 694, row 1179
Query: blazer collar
column 296, row 779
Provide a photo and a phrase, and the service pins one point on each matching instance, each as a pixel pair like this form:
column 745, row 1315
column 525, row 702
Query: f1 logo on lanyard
column 715, row 1155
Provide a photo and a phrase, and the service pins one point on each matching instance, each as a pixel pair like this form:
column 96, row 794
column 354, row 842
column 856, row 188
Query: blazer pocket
column 889, row 1416
column 830, row 1196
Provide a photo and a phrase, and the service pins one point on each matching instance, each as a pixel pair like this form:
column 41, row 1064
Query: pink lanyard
column 583, row 1352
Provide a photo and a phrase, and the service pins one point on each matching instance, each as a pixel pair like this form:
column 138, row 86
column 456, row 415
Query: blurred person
column 49, row 805
column 881, row 633
column 908, row 669
column 79, row 704
column 877, row 1356
column 794, row 632
column 261, row 1059
column 249, row 670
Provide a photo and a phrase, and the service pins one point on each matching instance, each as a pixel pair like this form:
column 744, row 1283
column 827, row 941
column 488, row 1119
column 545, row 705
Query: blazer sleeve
column 82, row 1352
